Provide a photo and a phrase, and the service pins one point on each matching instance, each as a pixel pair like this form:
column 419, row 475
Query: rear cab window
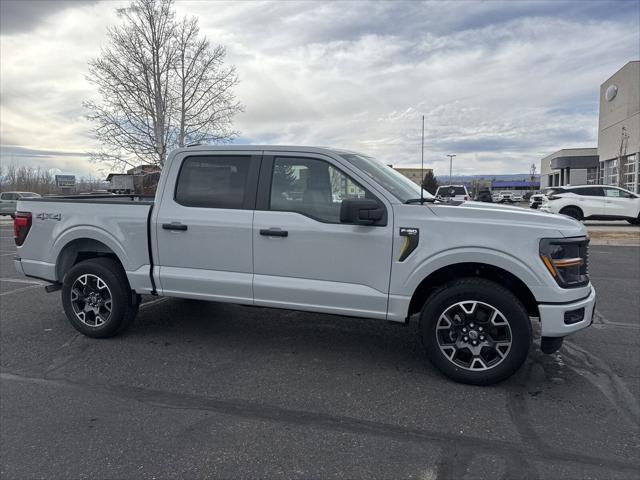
column 214, row 181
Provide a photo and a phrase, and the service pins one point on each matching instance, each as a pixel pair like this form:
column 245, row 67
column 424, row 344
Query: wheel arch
column 81, row 249
column 566, row 207
column 445, row 274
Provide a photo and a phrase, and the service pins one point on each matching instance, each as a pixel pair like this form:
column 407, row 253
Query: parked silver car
column 9, row 200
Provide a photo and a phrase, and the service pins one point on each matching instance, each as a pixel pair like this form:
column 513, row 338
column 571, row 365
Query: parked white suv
column 507, row 196
column 457, row 193
column 594, row 202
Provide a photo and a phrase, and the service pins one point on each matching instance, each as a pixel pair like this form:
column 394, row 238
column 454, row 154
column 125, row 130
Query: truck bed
column 115, row 223
column 120, row 199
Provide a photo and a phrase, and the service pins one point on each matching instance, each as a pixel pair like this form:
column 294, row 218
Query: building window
column 592, row 176
column 628, row 171
column 610, row 172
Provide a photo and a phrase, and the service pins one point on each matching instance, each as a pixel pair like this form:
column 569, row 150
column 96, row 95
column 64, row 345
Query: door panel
column 618, row 203
column 320, row 265
column 204, row 228
column 217, row 242
column 590, row 200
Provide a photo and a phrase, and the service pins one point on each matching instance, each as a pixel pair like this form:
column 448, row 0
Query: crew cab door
column 204, row 226
column 304, row 257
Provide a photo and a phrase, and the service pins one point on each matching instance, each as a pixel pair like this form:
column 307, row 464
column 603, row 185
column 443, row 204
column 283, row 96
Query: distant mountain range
column 470, row 178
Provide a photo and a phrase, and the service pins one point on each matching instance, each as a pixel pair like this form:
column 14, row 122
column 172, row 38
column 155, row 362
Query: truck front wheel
column 97, row 299
column 475, row 331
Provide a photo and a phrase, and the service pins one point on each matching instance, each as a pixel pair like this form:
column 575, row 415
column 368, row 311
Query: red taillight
column 21, row 226
column 466, row 198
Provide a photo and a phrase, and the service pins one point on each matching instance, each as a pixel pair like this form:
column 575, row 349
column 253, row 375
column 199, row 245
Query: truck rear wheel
column 475, row 331
column 97, row 298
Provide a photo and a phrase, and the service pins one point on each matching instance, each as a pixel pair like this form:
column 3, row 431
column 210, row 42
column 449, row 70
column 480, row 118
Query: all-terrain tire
column 503, row 339
column 97, row 298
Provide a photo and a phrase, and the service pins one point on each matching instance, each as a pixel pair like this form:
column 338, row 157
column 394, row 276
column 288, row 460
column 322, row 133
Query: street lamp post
column 451, row 155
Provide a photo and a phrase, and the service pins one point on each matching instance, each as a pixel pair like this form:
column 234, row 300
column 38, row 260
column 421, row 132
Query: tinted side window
column 213, row 182
column 311, row 187
column 614, row 192
column 588, row 191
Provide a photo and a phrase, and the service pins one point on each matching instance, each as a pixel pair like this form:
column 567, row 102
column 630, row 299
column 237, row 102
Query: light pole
column 451, row 155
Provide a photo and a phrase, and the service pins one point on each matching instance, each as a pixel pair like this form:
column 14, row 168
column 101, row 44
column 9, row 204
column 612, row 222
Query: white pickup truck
column 319, row 230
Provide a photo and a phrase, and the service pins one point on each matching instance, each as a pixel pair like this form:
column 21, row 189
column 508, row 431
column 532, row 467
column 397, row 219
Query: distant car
column 506, row 196
column 9, row 200
column 453, row 192
column 484, row 196
column 594, row 202
column 535, row 200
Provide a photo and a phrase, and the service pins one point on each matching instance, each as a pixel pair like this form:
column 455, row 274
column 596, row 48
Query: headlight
column 566, row 259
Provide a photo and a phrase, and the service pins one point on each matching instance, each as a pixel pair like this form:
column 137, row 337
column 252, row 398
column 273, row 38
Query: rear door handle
column 273, row 232
column 174, row 226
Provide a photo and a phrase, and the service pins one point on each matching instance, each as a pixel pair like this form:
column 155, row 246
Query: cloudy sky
column 501, row 84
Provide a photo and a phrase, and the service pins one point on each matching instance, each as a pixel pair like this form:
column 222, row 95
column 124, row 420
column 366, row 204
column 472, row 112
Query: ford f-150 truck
column 319, row 230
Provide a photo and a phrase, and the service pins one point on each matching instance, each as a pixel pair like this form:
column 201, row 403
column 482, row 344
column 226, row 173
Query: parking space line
column 7, row 254
column 153, row 302
column 22, row 289
column 22, row 280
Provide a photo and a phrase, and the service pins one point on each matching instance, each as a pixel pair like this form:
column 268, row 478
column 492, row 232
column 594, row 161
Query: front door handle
column 174, row 226
column 273, row 232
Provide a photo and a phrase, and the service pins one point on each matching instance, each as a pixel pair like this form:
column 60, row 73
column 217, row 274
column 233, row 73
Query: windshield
column 450, row 191
column 391, row 180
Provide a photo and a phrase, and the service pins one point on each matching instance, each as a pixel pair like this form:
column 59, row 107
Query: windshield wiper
column 421, row 200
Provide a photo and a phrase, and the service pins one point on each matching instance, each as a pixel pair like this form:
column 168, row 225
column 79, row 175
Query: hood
column 502, row 214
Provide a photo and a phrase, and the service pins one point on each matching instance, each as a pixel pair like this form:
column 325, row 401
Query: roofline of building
column 617, row 71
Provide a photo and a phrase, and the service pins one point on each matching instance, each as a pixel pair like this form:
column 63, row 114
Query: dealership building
column 570, row 166
column 619, row 128
column 616, row 160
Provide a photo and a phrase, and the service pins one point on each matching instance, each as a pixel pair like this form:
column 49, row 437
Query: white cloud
column 500, row 84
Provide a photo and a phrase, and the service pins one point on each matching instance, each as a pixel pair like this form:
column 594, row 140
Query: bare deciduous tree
column 22, row 178
column 161, row 86
column 206, row 103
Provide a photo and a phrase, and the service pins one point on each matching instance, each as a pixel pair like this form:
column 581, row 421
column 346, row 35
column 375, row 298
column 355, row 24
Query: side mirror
column 362, row 211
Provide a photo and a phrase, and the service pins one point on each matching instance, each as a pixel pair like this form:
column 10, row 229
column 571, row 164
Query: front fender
column 487, row 256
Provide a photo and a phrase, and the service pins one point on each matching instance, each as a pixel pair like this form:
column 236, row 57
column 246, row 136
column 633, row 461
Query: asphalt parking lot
column 202, row 389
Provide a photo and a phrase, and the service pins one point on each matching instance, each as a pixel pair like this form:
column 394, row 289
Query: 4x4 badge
column 49, row 216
